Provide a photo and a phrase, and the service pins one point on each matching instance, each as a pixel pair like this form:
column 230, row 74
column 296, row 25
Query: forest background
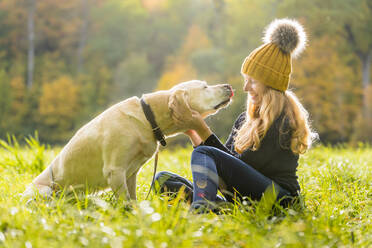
column 64, row 62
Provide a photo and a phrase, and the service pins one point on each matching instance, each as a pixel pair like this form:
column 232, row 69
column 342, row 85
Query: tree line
column 63, row 62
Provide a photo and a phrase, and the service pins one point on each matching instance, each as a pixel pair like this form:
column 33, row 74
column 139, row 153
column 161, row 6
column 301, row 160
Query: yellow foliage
column 179, row 73
column 363, row 122
column 18, row 108
column 326, row 85
column 368, row 95
column 18, row 95
column 59, row 104
column 195, row 40
column 154, row 5
column 179, row 68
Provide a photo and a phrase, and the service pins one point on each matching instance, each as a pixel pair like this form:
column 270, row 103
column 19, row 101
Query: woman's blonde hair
column 259, row 119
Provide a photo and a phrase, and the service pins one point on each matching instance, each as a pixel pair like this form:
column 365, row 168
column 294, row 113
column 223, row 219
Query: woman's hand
column 189, row 119
column 194, row 137
column 183, row 116
column 191, row 133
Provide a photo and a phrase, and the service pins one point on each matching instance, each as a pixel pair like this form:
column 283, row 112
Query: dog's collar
column 151, row 118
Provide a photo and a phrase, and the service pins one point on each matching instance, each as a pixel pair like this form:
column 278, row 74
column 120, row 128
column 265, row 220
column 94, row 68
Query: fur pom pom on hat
column 271, row 63
column 287, row 34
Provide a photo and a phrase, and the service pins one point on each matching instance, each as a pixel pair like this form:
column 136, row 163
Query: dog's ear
column 178, row 101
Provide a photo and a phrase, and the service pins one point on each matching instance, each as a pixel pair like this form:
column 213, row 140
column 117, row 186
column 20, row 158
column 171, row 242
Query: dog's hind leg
column 131, row 183
column 116, row 179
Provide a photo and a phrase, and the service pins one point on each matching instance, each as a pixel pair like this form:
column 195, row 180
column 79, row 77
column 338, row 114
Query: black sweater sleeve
column 228, row 147
column 259, row 158
column 214, row 141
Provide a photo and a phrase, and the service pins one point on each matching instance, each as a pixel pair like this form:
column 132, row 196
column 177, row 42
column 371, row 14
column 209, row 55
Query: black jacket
column 275, row 162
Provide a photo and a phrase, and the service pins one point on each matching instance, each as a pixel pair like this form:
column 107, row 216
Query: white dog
column 110, row 149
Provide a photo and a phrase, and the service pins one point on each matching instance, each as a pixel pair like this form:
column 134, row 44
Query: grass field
column 336, row 209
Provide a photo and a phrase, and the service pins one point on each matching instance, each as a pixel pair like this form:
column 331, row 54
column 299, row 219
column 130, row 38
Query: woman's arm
column 203, row 130
column 200, row 131
column 228, row 147
column 211, row 139
column 185, row 117
column 194, row 137
column 198, row 137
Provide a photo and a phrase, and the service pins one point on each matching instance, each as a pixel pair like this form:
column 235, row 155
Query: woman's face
column 254, row 88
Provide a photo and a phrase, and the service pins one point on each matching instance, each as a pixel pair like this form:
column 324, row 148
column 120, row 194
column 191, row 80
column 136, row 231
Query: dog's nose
column 228, row 87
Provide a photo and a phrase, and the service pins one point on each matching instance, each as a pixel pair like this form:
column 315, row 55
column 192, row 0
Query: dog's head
column 204, row 98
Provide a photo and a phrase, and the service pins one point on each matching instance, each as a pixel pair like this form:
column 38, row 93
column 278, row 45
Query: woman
column 263, row 148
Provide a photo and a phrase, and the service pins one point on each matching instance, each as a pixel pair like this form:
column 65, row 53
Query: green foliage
column 95, row 91
column 336, row 197
column 5, row 99
column 208, row 62
column 28, row 159
column 133, row 77
column 116, row 33
column 58, row 107
column 114, row 49
column 335, row 109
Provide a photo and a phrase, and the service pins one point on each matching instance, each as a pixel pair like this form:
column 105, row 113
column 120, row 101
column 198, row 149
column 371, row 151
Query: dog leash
column 158, row 136
column 153, row 176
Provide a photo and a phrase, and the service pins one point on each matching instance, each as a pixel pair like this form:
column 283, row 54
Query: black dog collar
column 151, row 118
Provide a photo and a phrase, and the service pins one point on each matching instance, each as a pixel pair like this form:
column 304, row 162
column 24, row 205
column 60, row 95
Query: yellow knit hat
column 271, row 63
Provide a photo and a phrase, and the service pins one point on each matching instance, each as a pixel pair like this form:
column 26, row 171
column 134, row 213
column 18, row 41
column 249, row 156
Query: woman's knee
column 200, row 149
column 208, row 150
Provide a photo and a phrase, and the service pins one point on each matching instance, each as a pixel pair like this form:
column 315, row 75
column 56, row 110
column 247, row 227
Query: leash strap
column 158, row 136
column 151, row 118
column 153, row 176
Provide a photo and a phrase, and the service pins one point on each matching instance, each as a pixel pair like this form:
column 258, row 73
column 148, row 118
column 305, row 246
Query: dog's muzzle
column 229, row 93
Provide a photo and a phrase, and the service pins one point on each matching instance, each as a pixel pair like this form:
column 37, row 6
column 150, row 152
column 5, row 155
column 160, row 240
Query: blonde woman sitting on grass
column 263, row 148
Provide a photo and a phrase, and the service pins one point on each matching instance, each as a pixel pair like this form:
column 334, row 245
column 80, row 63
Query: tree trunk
column 83, row 35
column 366, row 65
column 31, row 45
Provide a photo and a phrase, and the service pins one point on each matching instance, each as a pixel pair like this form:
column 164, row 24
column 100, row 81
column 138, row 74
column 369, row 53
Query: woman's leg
column 212, row 167
column 172, row 183
column 166, row 181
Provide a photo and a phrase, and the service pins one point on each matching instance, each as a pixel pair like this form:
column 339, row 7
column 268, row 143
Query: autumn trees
column 62, row 62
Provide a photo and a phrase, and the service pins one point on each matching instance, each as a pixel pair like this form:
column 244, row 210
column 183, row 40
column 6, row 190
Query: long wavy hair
column 259, row 119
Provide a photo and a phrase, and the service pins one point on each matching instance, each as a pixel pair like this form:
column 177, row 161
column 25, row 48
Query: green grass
column 336, row 210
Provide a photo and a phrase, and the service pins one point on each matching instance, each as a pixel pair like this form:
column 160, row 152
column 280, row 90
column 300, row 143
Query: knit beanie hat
column 271, row 63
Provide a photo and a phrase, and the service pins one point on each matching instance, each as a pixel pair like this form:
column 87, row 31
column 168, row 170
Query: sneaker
column 202, row 207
